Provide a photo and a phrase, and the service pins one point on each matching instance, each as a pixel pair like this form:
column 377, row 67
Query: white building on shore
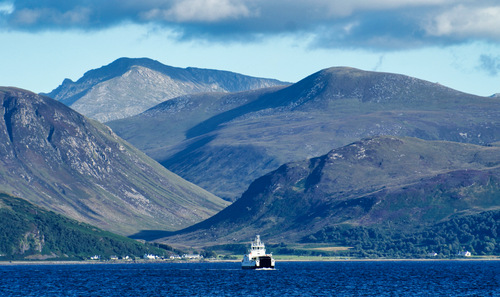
column 150, row 257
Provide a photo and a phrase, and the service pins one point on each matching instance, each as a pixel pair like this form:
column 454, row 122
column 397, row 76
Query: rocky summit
column 127, row 87
column 65, row 162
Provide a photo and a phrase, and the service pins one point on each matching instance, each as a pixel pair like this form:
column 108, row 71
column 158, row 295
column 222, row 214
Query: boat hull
column 260, row 262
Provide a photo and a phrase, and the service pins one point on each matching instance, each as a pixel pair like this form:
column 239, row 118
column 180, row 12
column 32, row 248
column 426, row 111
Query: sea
column 339, row 278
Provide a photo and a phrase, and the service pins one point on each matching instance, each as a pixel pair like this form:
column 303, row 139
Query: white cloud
column 77, row 16
column 200, row 11
column 6, row 8
column 374, row 24
column 27, row 16
column 345, row 8
column 465, row 21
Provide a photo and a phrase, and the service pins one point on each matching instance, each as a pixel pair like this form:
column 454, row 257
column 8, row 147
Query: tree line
column 478, row 234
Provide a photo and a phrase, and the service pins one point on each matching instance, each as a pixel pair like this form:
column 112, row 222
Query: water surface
column 350, row 278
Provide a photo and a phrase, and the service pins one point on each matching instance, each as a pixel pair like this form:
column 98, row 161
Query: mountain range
column 60, row 160
column 402, row 185
column 128, row 86
column 364, row 160
column 223, row 142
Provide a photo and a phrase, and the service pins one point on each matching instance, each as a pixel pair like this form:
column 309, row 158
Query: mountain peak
column 118, row 67
column 128, row 86
column 61, row 160
column 344, row 70
column 369, row 86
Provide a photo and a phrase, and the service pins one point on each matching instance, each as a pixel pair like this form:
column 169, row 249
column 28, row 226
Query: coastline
column 319, row 259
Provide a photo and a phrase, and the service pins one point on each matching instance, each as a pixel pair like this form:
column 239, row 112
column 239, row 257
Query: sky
column 453, row 42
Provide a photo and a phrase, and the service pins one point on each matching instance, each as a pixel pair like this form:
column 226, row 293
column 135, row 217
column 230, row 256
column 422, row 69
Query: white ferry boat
column 257, row 257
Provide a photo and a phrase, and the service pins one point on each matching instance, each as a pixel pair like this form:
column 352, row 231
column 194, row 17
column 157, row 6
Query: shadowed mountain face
column 58, row 159
column 127, row 87
column 223, row 142
column 398, row 183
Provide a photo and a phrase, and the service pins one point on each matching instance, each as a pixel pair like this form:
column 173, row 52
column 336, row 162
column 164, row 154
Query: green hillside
column 30, row 232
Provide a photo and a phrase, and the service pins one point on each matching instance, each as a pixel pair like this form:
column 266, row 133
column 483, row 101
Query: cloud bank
column 382, row 24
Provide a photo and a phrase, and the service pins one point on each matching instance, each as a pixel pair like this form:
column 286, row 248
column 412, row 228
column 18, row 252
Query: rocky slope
column 398, row 184
column 230, row 140
column 60, row 160
column 127, row 87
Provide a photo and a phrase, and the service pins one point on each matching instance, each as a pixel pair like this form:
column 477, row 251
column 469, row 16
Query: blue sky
column 453, row 42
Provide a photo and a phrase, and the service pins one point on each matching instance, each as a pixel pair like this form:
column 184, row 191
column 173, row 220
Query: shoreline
column 89, row 262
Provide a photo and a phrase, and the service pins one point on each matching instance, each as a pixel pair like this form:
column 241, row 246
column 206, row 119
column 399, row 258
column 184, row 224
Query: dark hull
column 264, row 262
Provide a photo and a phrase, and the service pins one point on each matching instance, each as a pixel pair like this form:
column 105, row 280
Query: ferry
column 257, row 257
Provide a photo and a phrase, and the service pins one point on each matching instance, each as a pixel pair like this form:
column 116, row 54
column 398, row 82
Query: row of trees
column 478, row 234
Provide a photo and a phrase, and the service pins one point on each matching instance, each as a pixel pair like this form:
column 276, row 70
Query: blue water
column 350, row 278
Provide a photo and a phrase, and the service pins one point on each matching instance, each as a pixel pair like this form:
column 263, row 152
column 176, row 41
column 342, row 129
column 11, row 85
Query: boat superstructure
column 257, row 257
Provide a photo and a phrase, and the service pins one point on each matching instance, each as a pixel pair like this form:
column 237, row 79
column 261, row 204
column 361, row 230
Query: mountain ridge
column 61, row 160
column 339, row 83
column 129, row 86
column 327, row 109
column 360, row 184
